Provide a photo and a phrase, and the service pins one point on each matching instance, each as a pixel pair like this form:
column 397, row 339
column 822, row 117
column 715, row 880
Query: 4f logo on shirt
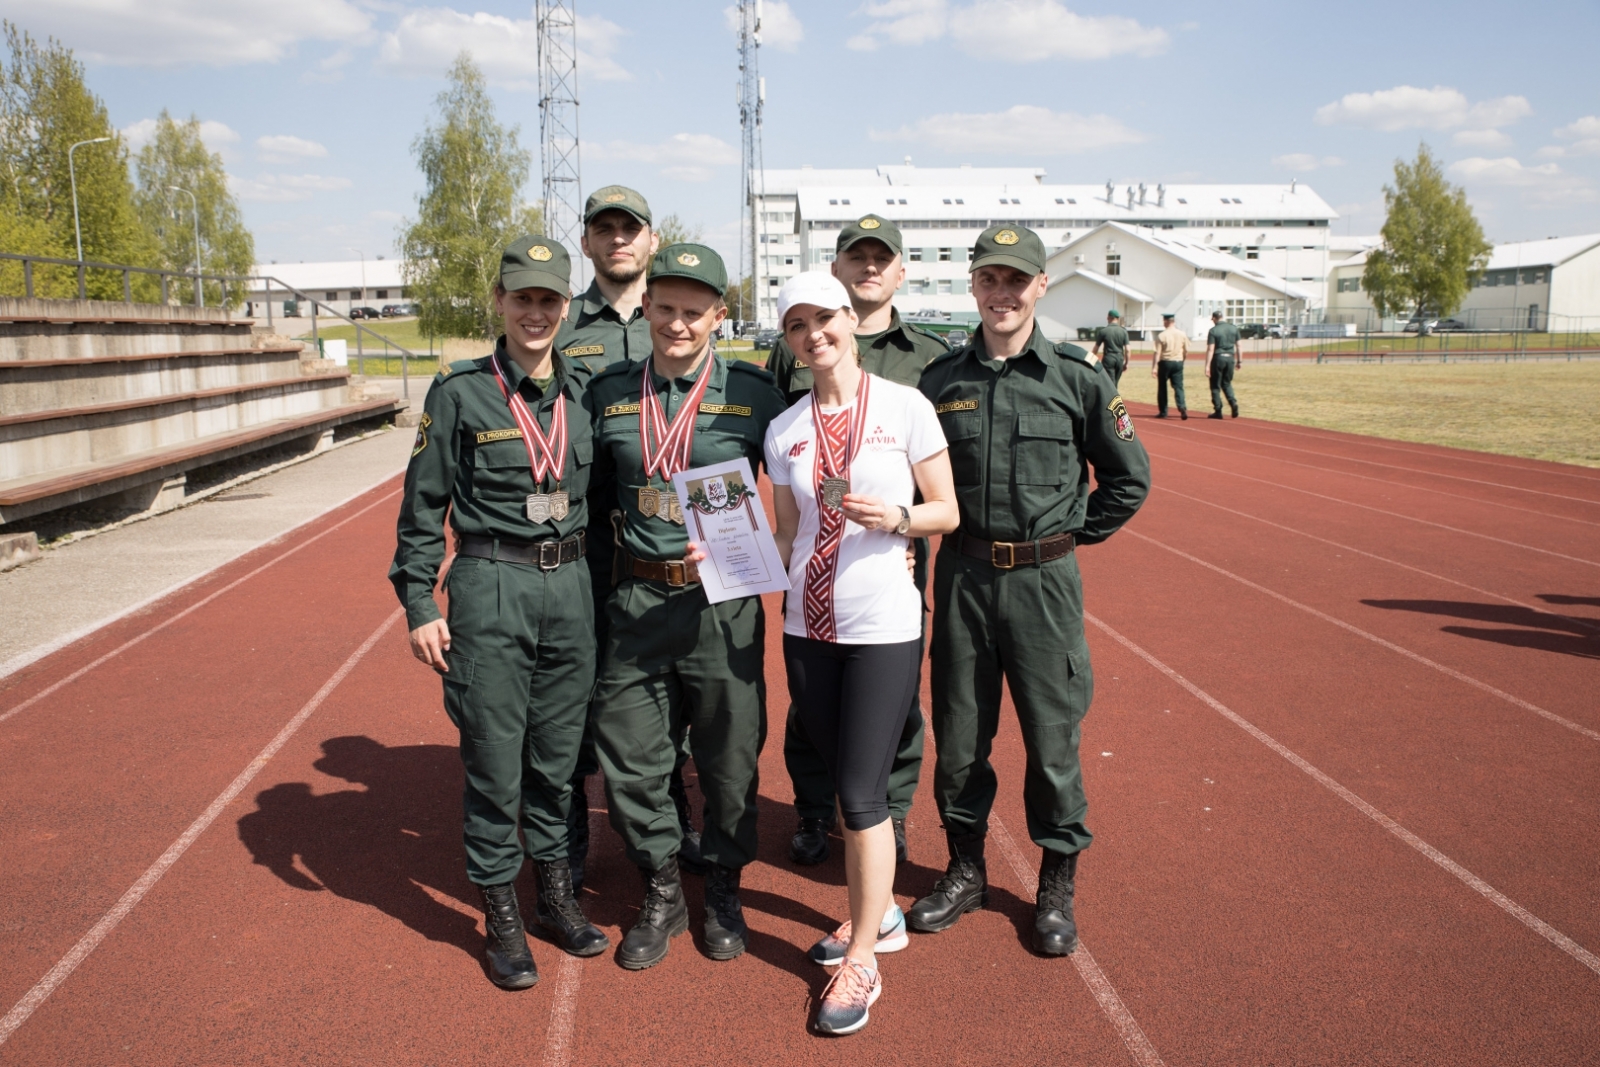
column 797, row 448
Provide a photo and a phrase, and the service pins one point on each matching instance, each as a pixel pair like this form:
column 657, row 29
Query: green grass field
column 1545, row 411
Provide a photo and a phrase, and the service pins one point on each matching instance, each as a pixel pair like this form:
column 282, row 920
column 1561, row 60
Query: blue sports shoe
column 891, row 938
column 854, row 989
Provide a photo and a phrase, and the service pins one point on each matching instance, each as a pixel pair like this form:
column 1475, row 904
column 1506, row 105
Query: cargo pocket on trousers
column 457, row 686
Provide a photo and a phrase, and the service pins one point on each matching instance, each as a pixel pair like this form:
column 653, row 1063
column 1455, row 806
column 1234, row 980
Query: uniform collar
column 593, row 305
column 517, row 375
column 1038, row 347
column 898, row 332
column 713, row 363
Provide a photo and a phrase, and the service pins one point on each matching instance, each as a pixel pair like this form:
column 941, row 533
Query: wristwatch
column 905, row 520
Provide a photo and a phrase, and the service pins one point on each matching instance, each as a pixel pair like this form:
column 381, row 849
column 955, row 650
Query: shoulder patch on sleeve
column 422, row 434
column 1119, row 411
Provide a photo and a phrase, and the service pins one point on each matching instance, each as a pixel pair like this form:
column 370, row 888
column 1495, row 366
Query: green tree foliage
column 741, row 308
column 45, row 108
column 474, row 170
column 674, row 231
column 1433, row 247
column 176, row 156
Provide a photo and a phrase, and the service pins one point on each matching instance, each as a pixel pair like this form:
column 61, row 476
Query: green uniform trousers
column 522, row 666
column 675, row 663
column 1169, row 370
column 1222, row 382
column 1026, row 626
column 1114, row 366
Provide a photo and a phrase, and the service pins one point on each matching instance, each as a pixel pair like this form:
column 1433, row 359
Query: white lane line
column 63, row 969
column 1380, row 511
column 1375, row 639
column 560, row 1042
column 1472, row 881
column 1390, row 483
column 196, row 606
column 1127, row 1027
column 1574, row 620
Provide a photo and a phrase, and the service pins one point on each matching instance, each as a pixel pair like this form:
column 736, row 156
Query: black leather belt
column 546, row 555
column 1004, row 555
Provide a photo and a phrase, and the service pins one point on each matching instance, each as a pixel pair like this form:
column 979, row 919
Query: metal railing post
column 127, row 287
column 163, row 288
column 83, row 293
column 269, row 305
column 27, row 277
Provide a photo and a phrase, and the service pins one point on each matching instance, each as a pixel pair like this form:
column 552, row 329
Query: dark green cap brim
column 1001, row 259
column 511, row 281
column 642, row 216
column 845, row 246
column 688, row 276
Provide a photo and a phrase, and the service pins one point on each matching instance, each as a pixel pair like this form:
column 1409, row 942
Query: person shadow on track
column 379, row 845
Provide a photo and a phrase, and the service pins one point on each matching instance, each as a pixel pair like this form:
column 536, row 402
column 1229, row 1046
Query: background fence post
column 27, row 278
column 83, row 293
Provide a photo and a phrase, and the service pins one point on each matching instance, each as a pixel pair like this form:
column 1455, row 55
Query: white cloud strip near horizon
column 1584, row 138
column 1025, row 130
column 1011, row 30
column 217, row 136
column 1406, row 107
column 175, row 33
column 427, row 40
column 286, row 148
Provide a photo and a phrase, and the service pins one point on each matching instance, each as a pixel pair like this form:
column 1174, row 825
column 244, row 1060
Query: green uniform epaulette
column 1072, row 351
column 945, row 357
column 751, row 368
column 929, row 333
column 460, row 366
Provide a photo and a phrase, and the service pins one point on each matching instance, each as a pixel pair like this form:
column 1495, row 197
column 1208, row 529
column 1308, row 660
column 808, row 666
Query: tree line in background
column 127, row 211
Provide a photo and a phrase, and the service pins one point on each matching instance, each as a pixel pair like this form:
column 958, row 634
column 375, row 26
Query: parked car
column 957, row 338
column 364, row 313
column 1274, row 330
column 1252, row 331
column 1450, row 324
column 767, row 338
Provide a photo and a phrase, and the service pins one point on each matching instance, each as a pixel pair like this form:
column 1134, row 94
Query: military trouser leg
column 1024, row 626
column 1169, row 370
column 1222, row 382
column 522, row 664
column 674, row 663
column 1114, row 367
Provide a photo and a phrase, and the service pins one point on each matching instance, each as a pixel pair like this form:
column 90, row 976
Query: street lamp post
column 199, row 293
column 72, row 175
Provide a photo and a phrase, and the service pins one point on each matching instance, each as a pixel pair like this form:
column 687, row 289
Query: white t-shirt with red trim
column 867, row 596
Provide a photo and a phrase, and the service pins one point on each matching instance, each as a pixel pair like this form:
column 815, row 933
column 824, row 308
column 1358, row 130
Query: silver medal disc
column 560, row 505
column 833, row 491
column 538, row 507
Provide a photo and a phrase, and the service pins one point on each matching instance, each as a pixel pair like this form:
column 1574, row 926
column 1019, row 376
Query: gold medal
column 649, row 501
column 833, row 491
column 674, row 510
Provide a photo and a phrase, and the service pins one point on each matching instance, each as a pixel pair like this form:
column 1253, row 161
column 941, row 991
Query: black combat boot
column 559, row 915
column 1055, row 933
column 899, row 839
column 725, row 929
column 511, row 965
column 1217, row 414
column 1236, row 411
column 578, row 833
column 664, row 916
column 809, row 846
column 1183, row 413
column 964, row 887
column 688, row 852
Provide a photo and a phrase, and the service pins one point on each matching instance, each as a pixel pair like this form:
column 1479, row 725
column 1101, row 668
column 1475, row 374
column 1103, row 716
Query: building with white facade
column 340, row 285
column 1277, row 229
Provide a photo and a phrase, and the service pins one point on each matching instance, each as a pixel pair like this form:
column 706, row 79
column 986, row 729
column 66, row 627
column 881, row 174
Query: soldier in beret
column 505, row 449
column 1027, row 422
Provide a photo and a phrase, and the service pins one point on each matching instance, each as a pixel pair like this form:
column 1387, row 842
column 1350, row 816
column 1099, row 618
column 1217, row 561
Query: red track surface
column 1342, row 766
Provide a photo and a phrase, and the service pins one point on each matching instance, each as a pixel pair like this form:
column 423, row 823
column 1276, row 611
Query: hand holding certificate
column 728, row 524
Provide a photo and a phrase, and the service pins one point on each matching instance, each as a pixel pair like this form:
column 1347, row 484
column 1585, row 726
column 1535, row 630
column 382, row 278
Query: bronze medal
column 674, row 510
column 649, row 501
column 560, row 505
column 833, row 491
column 538, row 507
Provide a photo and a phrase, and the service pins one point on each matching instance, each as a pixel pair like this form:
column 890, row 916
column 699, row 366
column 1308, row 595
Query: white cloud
column 1026, row 128
column 506, row 49
column 1545, row 183
column 686, row 157
column 1406, row 107
column 185, row 32
column 286, row 148
column 1483, row 139
column 780, row 26
column 1305, row 161
column 218, row 136
column 1584, row 135
column 281, row 188
column 1010, row 30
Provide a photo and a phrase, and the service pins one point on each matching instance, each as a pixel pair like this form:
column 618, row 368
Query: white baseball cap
column 816, row 287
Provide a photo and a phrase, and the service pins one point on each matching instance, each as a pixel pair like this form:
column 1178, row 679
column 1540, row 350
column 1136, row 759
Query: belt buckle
column 677, row 573
column 549, row 560
column 1011, row 555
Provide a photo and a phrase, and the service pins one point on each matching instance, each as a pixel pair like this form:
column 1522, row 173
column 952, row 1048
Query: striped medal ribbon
column 839, row 438
column 675, row 440
column 546, row 455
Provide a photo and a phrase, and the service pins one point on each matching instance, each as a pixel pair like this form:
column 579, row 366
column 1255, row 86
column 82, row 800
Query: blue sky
column 314, row 103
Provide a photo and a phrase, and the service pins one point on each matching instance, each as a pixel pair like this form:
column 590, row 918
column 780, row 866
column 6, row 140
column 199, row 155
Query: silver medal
column 560, row 505
column 833, row 491
column 538, row 507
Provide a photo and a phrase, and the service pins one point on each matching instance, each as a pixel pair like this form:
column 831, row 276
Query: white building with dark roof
column 342, row 284
column 1278, row 229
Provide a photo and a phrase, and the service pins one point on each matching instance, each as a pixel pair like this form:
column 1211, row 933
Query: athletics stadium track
column 1342, row 764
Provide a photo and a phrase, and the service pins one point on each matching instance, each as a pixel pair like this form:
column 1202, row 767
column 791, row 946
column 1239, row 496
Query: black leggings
column 853, row 701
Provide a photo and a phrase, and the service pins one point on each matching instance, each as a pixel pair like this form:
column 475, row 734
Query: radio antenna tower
column 752, row 96
column 558, row 122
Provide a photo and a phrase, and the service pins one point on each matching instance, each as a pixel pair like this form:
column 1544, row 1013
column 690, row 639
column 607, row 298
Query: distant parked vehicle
column 364, row 313
column 1252, row 331
column 391, row 311
column 767, row 338
column 1450, row 324
column 957, row 338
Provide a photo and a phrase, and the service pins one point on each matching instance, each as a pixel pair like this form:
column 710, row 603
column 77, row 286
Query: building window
column 1060, row 201
column 834, row 202
column 774, row 282
column 788, row 261
column 890, row 201
column 944, row 286
column 1113, row 263
column 331, row 296
column 1252, row 252
column 1254, row 312
column 947, row 199
column 914, row 255
column 960, row 201
column 382, row 294
column 1349, row 285
column 844, row 201
column 944, row 255
column 1181, row 200
column 902, row 201
column 355, row 294
column 919, row 286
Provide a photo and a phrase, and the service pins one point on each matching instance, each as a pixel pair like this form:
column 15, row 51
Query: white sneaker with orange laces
column 891, row 938
column 854, row 989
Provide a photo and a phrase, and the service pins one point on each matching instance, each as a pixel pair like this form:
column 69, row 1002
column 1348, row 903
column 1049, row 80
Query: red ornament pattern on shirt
column 839, row 436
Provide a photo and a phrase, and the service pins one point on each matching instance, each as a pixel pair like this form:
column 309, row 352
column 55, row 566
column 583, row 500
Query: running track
column 1343, row 767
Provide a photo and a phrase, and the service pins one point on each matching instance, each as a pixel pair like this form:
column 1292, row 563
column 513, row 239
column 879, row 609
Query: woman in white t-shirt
column 846, row 464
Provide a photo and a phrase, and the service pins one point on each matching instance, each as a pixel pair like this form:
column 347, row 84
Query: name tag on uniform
column 499, row 435
column 584, row 350
column 955, row 405
column 725, row 409
column 622, row 409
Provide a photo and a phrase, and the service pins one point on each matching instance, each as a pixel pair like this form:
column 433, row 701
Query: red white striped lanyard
column 546, row 455
column 677, row 439
column 856, row 433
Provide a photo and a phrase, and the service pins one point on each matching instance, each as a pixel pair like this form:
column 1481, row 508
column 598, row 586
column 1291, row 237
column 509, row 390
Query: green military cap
column 1009, row 246
column 874, row 226
column 1167, row 316
column 695, row 262
column 1113, row 314
column 619, row 197
column 536, row 262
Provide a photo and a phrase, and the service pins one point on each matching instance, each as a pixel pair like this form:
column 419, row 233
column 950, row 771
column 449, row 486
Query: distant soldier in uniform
column 1111, row 346
column 505, row 448
column 1027, row 423
column 868, row 261
column 1166, row 365
column 672, row 660
column 1222, row 344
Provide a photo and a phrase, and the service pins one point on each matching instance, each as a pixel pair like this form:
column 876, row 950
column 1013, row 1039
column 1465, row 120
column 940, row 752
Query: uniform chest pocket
column 500, row 471
column 1042, row 436
column 719, row 438
column 575, row 479
column 964, row 433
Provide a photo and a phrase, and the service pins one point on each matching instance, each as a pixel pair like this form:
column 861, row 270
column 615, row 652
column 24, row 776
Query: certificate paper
column 726, row 520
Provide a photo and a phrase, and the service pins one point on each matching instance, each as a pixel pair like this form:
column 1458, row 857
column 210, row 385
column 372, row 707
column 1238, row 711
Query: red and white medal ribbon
column 675, row 441
column 546, row 455
column 839, row 438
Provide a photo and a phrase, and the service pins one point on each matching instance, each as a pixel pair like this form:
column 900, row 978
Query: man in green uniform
column 1222, row 345
column 1111, row 346
column 506, row 448
column 672, row 660
column 867, row 259
column 1027, row 421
